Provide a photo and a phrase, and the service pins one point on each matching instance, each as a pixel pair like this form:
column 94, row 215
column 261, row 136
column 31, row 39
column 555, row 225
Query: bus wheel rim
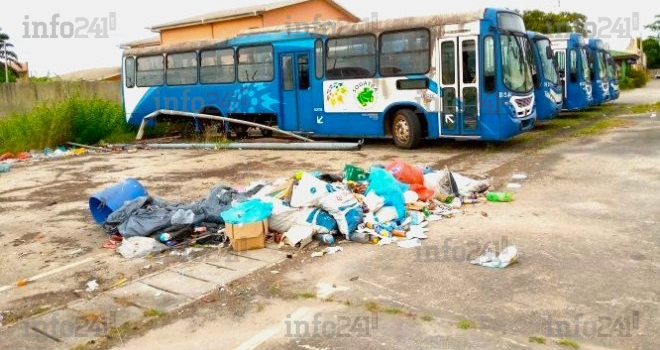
column 402, row 130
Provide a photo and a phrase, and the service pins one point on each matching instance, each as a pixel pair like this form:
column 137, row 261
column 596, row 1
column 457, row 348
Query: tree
column 7, row 56
column 562, row 22
column 655, row 26
column 652, row 51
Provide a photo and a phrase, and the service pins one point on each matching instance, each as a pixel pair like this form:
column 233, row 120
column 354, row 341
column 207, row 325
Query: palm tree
column 7, row 56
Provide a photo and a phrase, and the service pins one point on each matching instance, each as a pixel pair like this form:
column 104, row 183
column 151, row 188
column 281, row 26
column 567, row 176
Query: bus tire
column 406, row 129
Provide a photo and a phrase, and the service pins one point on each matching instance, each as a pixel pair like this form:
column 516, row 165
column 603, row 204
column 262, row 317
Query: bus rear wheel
column 406, row 129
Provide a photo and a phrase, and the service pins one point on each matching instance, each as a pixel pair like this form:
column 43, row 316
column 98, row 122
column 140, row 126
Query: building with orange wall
column 226, row 24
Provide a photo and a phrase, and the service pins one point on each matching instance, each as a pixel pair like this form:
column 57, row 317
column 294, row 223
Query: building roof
column 242, row 12
column 93, row 74
column 21, row 67
column 152, row 41
column 622, row 55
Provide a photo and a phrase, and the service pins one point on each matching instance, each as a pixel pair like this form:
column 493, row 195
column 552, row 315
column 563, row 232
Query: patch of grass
column 568, row 343
column 392, row 310
column 260, row 307
column 307, row 295
column 371, row 306
column 427, row 318
column 638, row 109
column 466, row 324
column 41, row 309
column 50, row 124
column 600, row 127
column 154, row 313
column 537, row 339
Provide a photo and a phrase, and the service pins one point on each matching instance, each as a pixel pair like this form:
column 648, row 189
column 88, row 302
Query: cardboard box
column 247, row 236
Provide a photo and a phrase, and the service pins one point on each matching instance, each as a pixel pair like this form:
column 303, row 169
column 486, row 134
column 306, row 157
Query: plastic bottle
column 327, row 238
column 499, row 197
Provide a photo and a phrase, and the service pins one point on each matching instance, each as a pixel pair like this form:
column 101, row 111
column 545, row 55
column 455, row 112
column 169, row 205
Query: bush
column 85, row 121
column 635, row 78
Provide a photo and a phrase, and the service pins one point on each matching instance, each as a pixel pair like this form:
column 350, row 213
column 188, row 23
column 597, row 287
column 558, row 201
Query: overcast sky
column 62, row 55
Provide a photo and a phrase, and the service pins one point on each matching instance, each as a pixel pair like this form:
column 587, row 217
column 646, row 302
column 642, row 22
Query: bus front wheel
column 406, row 129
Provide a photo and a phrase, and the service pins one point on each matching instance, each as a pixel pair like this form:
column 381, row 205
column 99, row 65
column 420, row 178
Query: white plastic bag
column 308, row 191
column 345, row 208
column 140, row 247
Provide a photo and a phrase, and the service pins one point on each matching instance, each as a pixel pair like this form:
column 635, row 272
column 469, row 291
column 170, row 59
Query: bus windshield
column 610, row 67
column 549, row 70
column 602, row 65
column 586, row 73
column 516, row 62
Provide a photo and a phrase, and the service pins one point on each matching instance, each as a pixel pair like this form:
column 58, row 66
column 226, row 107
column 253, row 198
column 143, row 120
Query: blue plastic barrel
column 104, row 203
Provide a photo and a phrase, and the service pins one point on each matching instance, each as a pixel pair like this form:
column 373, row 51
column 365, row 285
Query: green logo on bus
column 365, row 97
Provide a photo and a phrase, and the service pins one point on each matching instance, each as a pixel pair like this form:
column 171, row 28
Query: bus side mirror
column 548, row 52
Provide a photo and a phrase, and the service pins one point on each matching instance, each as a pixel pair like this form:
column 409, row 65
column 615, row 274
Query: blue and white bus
column 599, row 76
column 548, row 89
column 611, row 74
column 573, row 65
column 461, row 76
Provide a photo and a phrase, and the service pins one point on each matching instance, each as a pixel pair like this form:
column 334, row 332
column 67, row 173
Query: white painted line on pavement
column 262, row 337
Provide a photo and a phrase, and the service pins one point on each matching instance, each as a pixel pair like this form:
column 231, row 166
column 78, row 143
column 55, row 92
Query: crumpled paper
column 507, row 256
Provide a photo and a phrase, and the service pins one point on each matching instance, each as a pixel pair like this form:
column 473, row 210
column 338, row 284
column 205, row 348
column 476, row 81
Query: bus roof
column 341, row 28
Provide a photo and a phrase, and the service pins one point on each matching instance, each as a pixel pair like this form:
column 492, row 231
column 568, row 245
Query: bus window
column 287, row 72
column 573, row 64
column 129, row 72
column 182, row 68
column 318, row 58
column 255, row 64
column 404, row 53
column 303, row 72
column 489, row 63
column 448, row 50
column 349, row 58
column 150, row 71
column 560, row 63
column 469, row 53
column 217, row 66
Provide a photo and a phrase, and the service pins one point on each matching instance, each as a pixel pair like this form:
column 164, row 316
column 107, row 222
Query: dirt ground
column 585, row 222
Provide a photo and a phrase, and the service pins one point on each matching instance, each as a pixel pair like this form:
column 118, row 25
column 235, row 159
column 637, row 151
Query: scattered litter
column 513, row 185
column 506, row 257
column 410, row 243
column 77, row 251
column 499, row 197
column 653, row 115
column 146, row 267
column 22, row 282
column 519, row 177
column 328, row 250
column 333, row 250
column 140, row 247
column 5, row 168
column 91, row 286
column 324, row 290
column 275, row 272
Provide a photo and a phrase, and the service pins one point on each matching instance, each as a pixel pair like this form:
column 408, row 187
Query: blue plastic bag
column 247, row 212
column 383, row 183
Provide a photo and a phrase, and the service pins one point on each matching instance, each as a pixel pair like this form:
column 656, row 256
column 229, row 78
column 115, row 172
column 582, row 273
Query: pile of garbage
column 389, row 204
column 8, row 159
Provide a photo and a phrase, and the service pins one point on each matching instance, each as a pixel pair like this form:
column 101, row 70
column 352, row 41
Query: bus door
column 459, row 80
column 296, row 92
